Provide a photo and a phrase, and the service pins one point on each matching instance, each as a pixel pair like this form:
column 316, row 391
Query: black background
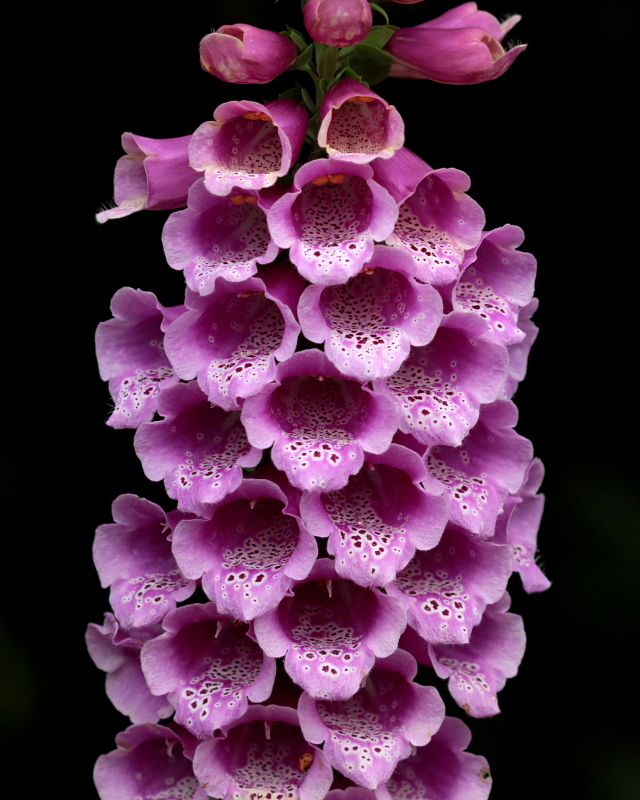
column 546, row 148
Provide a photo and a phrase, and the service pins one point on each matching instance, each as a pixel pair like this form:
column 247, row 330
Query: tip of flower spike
column 239, row 199
column 257, row 115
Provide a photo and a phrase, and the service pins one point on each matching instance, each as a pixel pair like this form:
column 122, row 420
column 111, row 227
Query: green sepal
column 372, row 63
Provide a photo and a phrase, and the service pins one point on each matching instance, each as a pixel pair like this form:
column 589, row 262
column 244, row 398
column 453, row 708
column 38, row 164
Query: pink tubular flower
column 331, row 219
column 338, row 23
column 461, row 46
column 245, row 54
column 358, row 125
column 154, row 174
column 249, row 145
column 319, row 422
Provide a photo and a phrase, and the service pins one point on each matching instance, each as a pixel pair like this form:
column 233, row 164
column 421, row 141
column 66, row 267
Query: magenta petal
column 441, row 770
column 198, row 449
column 249, row 552
column 446, row 590
column 367, row 735
column 477, row 671
column 149, row 762
column 358, row 125
column 318, row 422
column 330, row 632
column 208, row 667
column 260, row 755
column 216, row 237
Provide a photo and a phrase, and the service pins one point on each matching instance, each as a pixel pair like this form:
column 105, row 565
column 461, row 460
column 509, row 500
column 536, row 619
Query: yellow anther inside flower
column 257, row 115
column 360, row 98
column 239, row 199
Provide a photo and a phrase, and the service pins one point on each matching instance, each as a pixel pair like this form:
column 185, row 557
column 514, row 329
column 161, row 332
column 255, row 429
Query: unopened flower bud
column 246, row 54
column 338, row 23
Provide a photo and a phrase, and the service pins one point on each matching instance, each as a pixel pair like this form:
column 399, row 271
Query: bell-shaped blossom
column 369, row 323
column 519, row 352
column 208, row 667
column 461, row 46
column 477, row 671
column 152, row 761
column 131, row 356
column 133, row 556
column 218, row 237
column 230, row 339
column 376, row 522
column 249, row 145
column 522, row 529
column 125, row 684
column 338, row 23
column 446, row 590
column 367, row 735
column 497, row 283
column 318, row 422
column 263, row 756
column 331, row 218
column 442, row 770
column 437, row 221
column 198, row 449
column 440, row 387
column 331, row 631
column 358, row 125
column 249, row 552
column 245, row 54
column 479, row 474
column 154, row 174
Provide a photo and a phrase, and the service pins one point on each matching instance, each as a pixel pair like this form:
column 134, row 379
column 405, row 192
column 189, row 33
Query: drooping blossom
column 437, row 221
column 248, row 145
column 133, row 556
column 331, row 219
column 440, row 388
column 131, row 356
column 208, row 667
column 331, row 631
column 263, row 756
column 151, row 761
column 242, row 53
column 376, row 522
column 460, row 46
column 318, row 422
column 369, row 323
column 441, row 770
column 338, row 23
column 496, row 283
column 154, row 174
column 198, row 449
column 479, row 474
column 358, row 125
column 125, row 685
column 250, row 551
column 445, row 590
column 477, row 671
column 218, row 237
column 367, row 735
column 231, row 338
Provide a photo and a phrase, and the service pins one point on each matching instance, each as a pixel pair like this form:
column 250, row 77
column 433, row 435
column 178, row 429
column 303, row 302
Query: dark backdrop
column 544, row 148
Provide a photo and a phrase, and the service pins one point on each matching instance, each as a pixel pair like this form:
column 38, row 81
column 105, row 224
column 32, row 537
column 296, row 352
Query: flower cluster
column 345, row 511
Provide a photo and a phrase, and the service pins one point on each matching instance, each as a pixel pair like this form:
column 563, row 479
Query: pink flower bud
column 246, row 54
column 338, row 23
column 460, row 46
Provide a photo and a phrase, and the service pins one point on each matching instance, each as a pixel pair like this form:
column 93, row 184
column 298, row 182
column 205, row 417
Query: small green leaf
column 296, row 37
column 373, row 64
column 380, row 10
column 303, row 59
column 379, row 35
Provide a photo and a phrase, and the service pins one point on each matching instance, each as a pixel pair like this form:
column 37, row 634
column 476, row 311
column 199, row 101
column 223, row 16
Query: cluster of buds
column 346, row 511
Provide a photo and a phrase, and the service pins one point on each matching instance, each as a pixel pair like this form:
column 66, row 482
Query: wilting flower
column 358, row 125
column 249, row 145
column 338, row 23
column 245, row 54
column 460, row 46
column 154, row 174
